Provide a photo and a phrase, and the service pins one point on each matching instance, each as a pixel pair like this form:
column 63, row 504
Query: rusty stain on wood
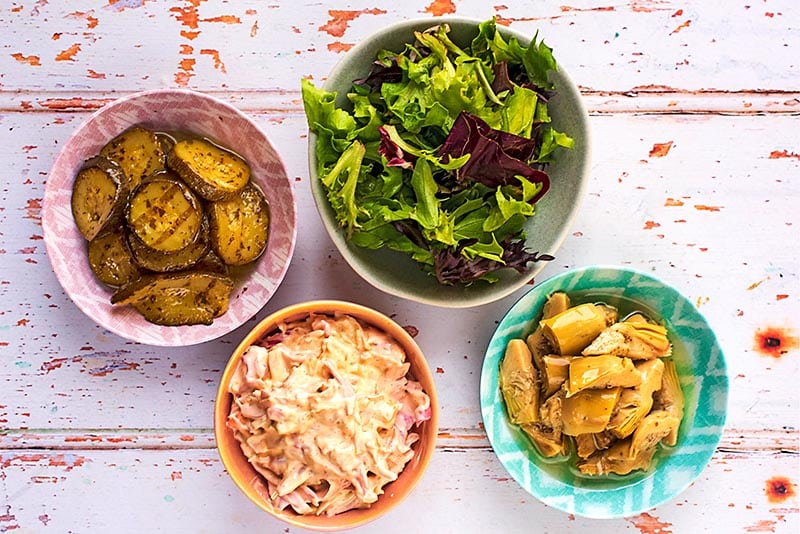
column 340, row 19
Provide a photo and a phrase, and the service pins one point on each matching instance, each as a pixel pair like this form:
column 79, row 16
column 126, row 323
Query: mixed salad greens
column 442, row 152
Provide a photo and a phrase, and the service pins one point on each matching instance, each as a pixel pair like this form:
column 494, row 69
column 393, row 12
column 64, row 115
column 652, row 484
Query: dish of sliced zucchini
column 169, row 219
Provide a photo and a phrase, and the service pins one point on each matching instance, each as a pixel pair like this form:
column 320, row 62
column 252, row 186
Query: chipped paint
column 704, row 207
column 660, row 150
column 673, row 202
column 650, row 524
column 68, row 54
column 775, row 341
column 779, row 154
column 684, row 25
column 218, row 64
column 33, row 61
column 437, row 8
column 340, row 20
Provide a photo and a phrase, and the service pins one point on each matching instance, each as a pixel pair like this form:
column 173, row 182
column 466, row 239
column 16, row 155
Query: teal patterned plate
column 704, row 381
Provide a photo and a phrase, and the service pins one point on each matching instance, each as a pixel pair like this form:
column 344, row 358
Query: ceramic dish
column 701, row 369
column 170, row 110
column 396, row 273
column 252, row 484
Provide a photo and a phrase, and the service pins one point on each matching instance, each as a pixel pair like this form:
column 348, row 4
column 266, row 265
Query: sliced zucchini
column 176, row 299
column 240, row 226
column 138, row 151
column 99, row 195
column 111, row 260
column 164, row 213
column 164, row 262
column 215, row 173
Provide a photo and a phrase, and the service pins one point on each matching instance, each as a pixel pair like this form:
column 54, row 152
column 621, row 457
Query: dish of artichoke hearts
column 169, row 219
column 593, row 386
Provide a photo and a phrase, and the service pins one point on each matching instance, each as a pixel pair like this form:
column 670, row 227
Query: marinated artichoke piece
column 539, row 347
column 599, row 372
column 652, row 429
column 636, row 340
column 519, row 383
column 215, row 173
column 164, row 213
column 551, row 410
column 617, row 459
column 670, row 398
column 588, row 411
column 548, row 442
column 99, row 195
column 637, row 402
column 554, row 373
column 175, row 299
column 111, row 260
column 572, row 330
column 139, row 153
column 588, row 444
column 555, row 304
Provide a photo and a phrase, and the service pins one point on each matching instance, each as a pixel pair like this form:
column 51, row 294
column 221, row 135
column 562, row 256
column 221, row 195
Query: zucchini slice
column 138, row 151
column 215, row 173
column 111, row 260
column 99, row 195
column 164, row 213
column 240, row 226
column 164, row 262
column 176, row 299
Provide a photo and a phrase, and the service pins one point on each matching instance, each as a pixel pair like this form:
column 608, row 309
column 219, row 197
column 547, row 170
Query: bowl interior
column 168, row 110
column 703, row 376
column 397, row 274
column 251, row 483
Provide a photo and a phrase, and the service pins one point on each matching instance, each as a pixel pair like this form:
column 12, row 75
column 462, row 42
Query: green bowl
column 703, row 377
column 396, row 273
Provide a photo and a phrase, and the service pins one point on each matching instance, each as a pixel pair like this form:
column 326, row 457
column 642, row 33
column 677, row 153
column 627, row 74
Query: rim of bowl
column 464, row 299
column 572, row 505
column 227, row 446
column 50, row 247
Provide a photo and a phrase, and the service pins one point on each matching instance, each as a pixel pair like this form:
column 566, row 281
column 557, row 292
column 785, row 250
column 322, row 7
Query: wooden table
column 695, row 177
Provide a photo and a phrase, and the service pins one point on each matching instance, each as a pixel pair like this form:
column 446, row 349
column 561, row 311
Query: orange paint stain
column 779, row 489
column 338, row 46
column 33, row 209
column 649, row 225
column 225, row 19
column 187, row 437
column 660, row 150
column 68, row 54
column 186, row 50
column 703, row 207
column 176, row 475
column 566, row 9
column 187, row 15
column 218, row 64
column 91, row 21
column 677, row 13
column 95, row 75
column 673, row 202
column 340, row 19
column 648, row 524
column 778, row 154
column 62, row 104
column 189, row 35
column 437, row 8
column 439, row 371
column 33, row 61
column 764, row 525
column 682, row 26
column 775, row 341
column 781, row 296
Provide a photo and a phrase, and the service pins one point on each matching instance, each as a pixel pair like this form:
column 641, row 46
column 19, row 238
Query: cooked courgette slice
column 176, row 299
column 164, row 213
column 111, row 260
column 240, row 226
column 164, row 262
column 98, row 196
column 212, row 171
column 138, row 151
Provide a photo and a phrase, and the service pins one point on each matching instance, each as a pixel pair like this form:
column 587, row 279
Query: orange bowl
column 253, row 485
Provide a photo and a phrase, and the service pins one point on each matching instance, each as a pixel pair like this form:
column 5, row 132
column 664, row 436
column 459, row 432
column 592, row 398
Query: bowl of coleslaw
column 326, row 415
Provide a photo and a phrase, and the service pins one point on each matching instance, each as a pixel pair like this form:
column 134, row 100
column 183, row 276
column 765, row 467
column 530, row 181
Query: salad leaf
column 441, row 151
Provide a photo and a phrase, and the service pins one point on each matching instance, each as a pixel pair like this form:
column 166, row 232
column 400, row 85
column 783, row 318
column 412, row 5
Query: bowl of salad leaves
column 448, row 158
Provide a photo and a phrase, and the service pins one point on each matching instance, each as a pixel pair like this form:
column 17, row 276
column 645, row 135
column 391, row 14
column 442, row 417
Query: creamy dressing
column 324, row 410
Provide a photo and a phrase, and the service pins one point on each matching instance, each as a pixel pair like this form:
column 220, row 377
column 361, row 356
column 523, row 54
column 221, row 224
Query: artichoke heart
column 670, row 398
column 636, row 402
column 555, row 371
column 519, row 383
column 636, row 340
column 617, row 459
column 651, row 430
column 548, row 442
column 588, row 411
column 570, row 331
column 598, row 372
column 588, row 444
column 555, row 304
column 539, row 347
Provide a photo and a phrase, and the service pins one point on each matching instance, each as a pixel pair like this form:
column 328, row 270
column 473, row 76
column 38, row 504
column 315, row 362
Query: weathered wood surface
column 694, row 177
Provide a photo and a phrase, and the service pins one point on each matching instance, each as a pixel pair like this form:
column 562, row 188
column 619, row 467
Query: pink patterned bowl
column 170, row 110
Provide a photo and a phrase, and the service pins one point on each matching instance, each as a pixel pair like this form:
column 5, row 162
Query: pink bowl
column 173, row 110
